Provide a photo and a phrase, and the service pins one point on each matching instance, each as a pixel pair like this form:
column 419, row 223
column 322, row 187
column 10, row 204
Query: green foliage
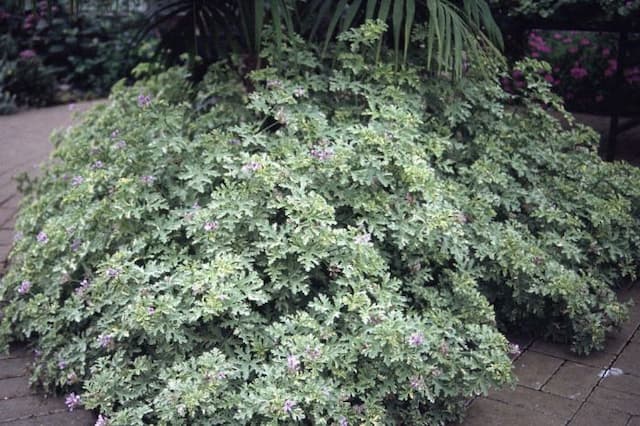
column 329, row 247
column 448, row 29
column 50, row 56
column 556, row 8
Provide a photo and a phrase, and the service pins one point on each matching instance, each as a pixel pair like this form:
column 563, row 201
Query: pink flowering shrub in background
column 583, row 68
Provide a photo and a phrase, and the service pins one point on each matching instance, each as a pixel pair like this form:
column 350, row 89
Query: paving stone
column 15, row 387
column 12, row 367
column 594, row 415
column 573, row 381
column 19, row 350
column 7, row 217
column 11, row 203
column 485, row 412
column 76, row 418
column 6, row 237
column 629, row 359
column 4, row 253
column 629, row 291
column 16, row 351
column 595, row 359
column 534, row 369
column 617, row 340
column 27, row 406
column 611, row 399
column 537, row 401
column 624, row 383
column 8, row 188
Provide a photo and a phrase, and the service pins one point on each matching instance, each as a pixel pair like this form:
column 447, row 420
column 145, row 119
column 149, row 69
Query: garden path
column 23, row 146
column 555, row 387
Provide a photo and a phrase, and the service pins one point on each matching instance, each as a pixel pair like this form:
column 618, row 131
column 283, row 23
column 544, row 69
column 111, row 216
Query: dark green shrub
column 51, row 56
column 316, row 250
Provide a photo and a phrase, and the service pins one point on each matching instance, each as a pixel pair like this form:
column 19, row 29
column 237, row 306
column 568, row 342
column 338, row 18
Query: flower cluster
column 147, row 179
column 321, row 152
column 144, row 100
column 584, row 67
column 105, row 341
column 72, row 401
column 288, row 405
column 24, row 287
column 77, row 180
column 211, row 225
column 81, row 290
column 113, row 272
column 42, row 237
column 362, row 238
column 293, row 364
column 102, row 421
column 416, row 339
column 252, row 166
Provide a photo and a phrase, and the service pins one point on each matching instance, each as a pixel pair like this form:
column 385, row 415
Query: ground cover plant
column 313, row 243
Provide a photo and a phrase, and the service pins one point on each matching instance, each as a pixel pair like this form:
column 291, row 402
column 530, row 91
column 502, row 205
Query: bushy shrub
column 326, row 249
column 599, row 9
column 49, row 55
column 583, row 70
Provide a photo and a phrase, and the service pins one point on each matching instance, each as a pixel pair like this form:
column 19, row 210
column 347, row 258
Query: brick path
column 24, row 145
column 555, row 387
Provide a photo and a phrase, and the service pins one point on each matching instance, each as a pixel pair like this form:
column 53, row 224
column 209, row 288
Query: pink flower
column 72, row 401
column 633, row 79
column 585, row 42
column 578, row 72
column 27, row 54
column 288, row 405
column 573, row 49
column 29, row 21
column 102, row 421
column 549, row 78
column 42, row 237
column 605, row 52
column 416, row 339
column 24, row 287
column 557, row 36
column 293, row 364
column 211, row 225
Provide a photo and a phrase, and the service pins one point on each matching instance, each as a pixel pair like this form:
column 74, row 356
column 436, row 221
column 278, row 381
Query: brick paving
column 555, row 387
column 24, row 140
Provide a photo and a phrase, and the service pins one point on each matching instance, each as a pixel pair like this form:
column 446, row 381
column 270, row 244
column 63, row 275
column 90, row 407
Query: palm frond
column 453, row 29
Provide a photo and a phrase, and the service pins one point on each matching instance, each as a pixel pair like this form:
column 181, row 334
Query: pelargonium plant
column 338, row 248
